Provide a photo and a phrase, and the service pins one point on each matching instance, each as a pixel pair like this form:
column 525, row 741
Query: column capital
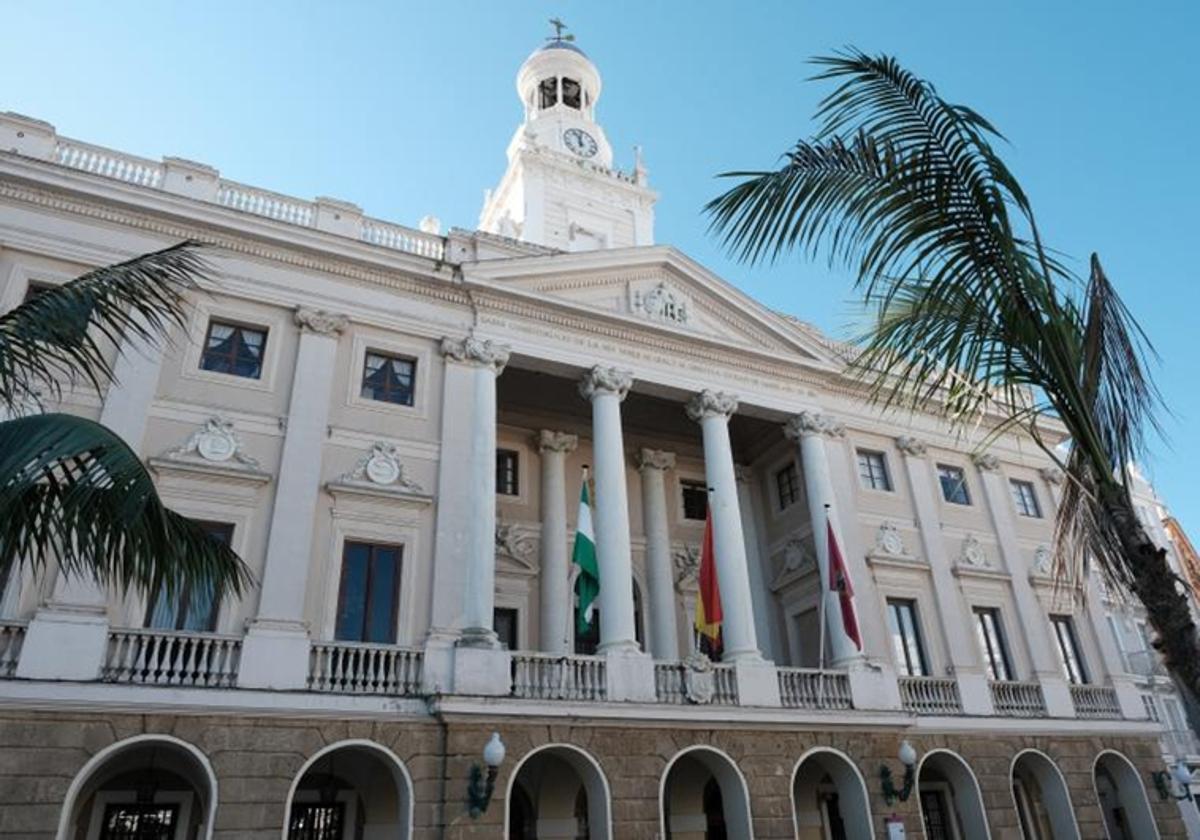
column 812, row 423
column 1051, row 475
column 655, row 459
column 986, row 462
column 911, row 446
column 476, row 351
column 551, row 441
column 319, row 321
column 711, row 404
column 605, row 380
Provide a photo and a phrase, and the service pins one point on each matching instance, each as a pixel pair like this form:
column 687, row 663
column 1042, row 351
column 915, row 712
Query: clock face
column 580, row 142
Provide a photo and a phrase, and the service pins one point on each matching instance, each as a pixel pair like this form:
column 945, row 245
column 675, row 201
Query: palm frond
column 59, row 336
column 73, row 492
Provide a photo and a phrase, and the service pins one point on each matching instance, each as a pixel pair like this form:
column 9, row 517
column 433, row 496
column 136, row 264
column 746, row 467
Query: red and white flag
column 839, row 583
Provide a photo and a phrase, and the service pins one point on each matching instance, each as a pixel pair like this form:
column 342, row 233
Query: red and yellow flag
column 708, row 602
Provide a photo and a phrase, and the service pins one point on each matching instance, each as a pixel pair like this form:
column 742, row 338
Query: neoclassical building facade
column 392, row 426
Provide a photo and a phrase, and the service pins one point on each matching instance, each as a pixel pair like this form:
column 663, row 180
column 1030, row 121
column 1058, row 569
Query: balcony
column 1145, row 663
column 12, row 635
column 1018, row 699
column 360, row 668
column 930, row 695
column 809, row 688
column 542, row 676
column 1095, row 702
column 167, row 657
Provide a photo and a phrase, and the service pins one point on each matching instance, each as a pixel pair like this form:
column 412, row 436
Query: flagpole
column 821, row 616
column 571, row 619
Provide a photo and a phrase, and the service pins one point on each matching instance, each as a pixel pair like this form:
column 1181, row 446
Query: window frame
column 1074, row 665
column 701, row 487
column 388, row 357
column 221, row 530
column 996, row 658
column 515, row 612
column 393, row 618
column 1025, row 498
column 903, row 647
column 238, row 327
column 515, row 486
column 863, row 457
column 962, row 484
column 789, row 475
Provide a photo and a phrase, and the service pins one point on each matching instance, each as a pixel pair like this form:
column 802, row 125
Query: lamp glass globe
column 908, row 755
column 493, row 751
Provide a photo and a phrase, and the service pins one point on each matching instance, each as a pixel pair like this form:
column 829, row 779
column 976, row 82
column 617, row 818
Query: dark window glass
column 571, row 93
column 906, row 637
column 787, row 483
column 369, row 593
column 34, row 289
column 548, row 93
column 991, row 641
column 194, row 605
column 388, row 378
column 873, row 471
column 695, row 500
column 1026, row 499
column 586, row 643
column 954, row 484
column 234, row 349
column 316, row 821
column 504, row 622
column 139, row 821
column 1068, row 649
column 506, row 473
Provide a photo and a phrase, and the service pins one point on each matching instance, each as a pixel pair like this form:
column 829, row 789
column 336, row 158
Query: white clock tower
column 560, row 189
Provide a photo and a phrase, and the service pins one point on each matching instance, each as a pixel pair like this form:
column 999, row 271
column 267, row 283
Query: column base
column 275, row 655
column 629, row 676
column 873, row 686
column 482, row 671
column 1057, row 695
column 437, row 664
column 479, row 637
column 64, row 645
column 975, row 693
column 757, row 682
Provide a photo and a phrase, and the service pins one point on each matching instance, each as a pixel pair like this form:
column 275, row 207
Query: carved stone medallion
column 973, row 553
column 215, row 442
column 888, row 539
column 699, row 681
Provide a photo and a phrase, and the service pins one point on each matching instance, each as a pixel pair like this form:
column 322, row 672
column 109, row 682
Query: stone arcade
column 391, row 424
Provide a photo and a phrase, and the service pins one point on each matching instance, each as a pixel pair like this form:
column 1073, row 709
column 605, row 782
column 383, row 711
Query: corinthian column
column 275, row 652
column 664, row 634
column 553, row 575
column 712, row 410
column 605, row 388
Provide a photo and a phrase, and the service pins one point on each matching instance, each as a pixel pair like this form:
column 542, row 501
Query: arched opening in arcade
column 1122, row 798
column 149, row 787
column 351, row 790
column 558, row 792
column 829, row 798
column 704, row 797
column 1043, row 803
column 949, row 798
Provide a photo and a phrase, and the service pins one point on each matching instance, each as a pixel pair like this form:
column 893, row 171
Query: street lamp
column 908, row 757
column 480, row 788
column 1181, row 774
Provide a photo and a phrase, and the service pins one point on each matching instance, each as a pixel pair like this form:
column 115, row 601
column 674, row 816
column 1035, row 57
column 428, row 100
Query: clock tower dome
column 561, row 189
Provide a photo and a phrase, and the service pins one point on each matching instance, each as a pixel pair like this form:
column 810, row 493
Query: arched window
column 571, row 93
column 548, row 93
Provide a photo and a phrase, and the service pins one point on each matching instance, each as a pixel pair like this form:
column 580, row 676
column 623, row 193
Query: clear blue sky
column 406, row 108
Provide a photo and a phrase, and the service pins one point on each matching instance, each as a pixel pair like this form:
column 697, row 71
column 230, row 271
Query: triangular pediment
column 657, row 288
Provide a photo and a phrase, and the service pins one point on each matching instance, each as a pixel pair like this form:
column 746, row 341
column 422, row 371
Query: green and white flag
column 587, row 584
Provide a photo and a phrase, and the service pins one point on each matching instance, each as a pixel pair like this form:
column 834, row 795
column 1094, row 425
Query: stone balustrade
column 1095, row 701
column 539, row 676
column 12, row 634
column 812, row 688
column 1018, row 699
column 930, row 695
column 361, row 668
column 675, row 683
column 168, row 657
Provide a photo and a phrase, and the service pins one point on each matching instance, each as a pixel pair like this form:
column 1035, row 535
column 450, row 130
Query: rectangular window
column 991, row 641
column 1120, row 642
column 873, row 471
column 504, row 622
column 369, row 593
column 139, row 821
column 906, row 637
column 571, row 92
column 695, row 500
column 1026, row 498
column 506, row 473
column 548, row 93
column 787, row 483
column 193, row 606
column 1068, row 649
column 954, row 484
column 234, row 349
column 388, row 378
